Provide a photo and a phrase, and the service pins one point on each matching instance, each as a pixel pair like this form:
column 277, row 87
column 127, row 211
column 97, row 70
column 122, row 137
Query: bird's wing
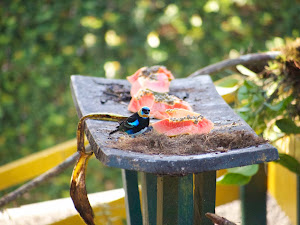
column 132, row 121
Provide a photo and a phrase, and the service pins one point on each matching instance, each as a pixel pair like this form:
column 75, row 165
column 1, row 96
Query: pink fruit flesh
column 172, row 128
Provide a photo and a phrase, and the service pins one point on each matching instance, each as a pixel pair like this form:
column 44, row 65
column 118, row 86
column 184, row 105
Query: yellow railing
column 31, row 166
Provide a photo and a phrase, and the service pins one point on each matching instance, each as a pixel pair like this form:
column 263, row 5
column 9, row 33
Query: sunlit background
column 44, row 42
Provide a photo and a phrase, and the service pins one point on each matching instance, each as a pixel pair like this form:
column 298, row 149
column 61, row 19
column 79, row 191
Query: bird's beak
column 145, row 115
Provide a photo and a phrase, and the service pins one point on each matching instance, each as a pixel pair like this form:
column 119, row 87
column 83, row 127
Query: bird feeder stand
column 176, row 189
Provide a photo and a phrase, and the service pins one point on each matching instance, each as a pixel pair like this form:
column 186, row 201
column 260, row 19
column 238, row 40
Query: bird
column 135, row 124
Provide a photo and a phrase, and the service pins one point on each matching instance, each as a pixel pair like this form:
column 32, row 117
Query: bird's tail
column 114, row 131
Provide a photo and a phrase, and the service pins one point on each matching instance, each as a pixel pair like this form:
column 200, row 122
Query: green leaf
column 233, row 179
column 289, row 162
column 227, row 82
column 238, row 175
column 281, row 105
column 243, row 109
column 243, row 93
column 245, row 71
column 288, row 126
column 276, row 107
column 245, row 170
column 250, row 85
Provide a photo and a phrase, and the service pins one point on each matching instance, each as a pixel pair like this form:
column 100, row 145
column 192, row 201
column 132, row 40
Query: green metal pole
column 167, row 200
column 149, row 198
column 132, row 198
column 253, row 199
column 185, row 200
column 204, row 196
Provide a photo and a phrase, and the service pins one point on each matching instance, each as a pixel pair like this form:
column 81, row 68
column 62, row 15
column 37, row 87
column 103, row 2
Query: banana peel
column 78, row 191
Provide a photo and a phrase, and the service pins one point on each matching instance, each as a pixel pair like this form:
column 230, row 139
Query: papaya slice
column 157, row 102
column 135, row 76
column 155, row 78
column 182, row 121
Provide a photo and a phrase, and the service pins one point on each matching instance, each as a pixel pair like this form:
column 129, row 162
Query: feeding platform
column 94, row 95
column 163, row 175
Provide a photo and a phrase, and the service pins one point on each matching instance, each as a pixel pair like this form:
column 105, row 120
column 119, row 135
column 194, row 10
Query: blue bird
column 136, row 124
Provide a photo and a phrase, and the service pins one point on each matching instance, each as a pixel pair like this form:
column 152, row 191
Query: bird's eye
column 145, row 111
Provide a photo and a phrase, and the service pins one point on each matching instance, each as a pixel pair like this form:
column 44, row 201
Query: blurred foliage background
column 44, row 42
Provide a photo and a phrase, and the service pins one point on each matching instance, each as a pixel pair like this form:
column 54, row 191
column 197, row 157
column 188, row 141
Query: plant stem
column 244, row 59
